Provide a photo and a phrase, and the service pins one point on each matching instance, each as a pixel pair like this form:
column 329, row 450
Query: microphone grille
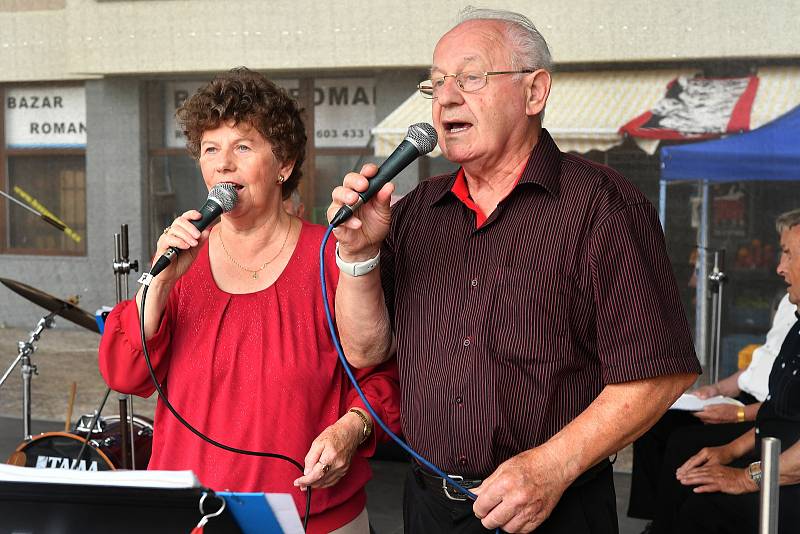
column 423, row 136
column 225, row 195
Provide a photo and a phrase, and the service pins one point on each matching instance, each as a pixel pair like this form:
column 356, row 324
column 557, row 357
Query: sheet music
column 690, row 403
column 136, row 479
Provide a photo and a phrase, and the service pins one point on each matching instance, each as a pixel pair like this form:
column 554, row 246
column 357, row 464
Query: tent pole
column 701, row 272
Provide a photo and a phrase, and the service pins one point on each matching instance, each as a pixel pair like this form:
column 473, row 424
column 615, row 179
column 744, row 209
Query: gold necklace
column 254, row 272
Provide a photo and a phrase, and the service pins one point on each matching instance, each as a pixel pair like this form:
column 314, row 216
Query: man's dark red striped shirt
column 507, row 331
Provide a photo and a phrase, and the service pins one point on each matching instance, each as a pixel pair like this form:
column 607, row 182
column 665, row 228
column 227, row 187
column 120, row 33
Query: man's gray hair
column 787, row 221
column 529, row 49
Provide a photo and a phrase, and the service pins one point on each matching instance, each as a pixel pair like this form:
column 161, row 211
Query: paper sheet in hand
column 259, row 513
column 690, row 403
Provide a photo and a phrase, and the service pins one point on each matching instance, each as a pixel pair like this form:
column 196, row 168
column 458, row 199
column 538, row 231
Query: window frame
column 6, row 152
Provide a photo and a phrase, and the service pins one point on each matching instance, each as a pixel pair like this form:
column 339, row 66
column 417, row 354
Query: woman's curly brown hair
column 243, row 96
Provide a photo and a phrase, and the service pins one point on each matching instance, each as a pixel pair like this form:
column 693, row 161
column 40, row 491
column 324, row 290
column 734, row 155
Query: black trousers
column 683, row 444
column 718, row 513
column 588, row 508
column 649, row 454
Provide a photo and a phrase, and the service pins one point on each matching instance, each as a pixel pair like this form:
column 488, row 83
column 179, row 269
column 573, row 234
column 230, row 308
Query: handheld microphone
column 221, row 199
column 420, row 139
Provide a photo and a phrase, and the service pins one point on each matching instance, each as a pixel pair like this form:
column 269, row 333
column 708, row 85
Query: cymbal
column 65, row 309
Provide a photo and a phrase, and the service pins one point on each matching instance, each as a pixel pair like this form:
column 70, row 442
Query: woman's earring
column 281, row 179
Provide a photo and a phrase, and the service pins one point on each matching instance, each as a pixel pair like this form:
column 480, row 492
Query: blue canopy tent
column 769, row 153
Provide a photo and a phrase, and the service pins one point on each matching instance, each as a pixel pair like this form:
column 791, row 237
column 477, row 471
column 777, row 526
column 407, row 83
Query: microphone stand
column 122, row 267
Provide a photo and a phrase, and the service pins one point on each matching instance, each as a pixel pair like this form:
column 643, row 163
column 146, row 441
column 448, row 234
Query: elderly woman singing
column 236, row 329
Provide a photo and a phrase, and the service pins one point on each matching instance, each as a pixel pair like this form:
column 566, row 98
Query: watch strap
column 358, row 268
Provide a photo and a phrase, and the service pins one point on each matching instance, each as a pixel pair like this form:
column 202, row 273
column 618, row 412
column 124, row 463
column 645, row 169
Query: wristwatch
column 754, row 473
column 359, row 268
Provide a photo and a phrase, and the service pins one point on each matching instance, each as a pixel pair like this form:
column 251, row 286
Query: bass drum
column 103, row 452
column 60, row 450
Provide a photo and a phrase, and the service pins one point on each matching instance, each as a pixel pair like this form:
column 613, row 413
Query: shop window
column 56, row 186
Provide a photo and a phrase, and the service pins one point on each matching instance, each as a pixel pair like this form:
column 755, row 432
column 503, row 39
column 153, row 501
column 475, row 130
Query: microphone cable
column 414, row 454
column 162, row 396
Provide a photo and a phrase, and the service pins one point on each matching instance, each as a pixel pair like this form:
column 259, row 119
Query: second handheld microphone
column 420, row 139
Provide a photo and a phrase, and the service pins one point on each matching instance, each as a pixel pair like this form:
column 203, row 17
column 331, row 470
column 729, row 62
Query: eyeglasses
column 468, row 82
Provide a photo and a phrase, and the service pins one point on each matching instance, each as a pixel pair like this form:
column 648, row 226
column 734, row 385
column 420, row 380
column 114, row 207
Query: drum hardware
column 73, row 389
column 25, row 350
column 67, row 309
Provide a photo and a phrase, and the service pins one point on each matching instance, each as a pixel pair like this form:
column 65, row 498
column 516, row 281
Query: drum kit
column 95, row 443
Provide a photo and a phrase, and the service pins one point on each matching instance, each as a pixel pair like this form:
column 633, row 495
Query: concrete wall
column 115, row 181
column 63, row 39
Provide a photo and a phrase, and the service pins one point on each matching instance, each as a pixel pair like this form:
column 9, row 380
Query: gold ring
column 325, row 468
column 166, row 229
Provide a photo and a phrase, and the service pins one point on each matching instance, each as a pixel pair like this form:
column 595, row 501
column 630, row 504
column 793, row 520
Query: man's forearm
column 619, row 415
column 363, row 320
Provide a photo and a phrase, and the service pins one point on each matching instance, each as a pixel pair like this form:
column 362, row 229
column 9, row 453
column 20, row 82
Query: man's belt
column 440, row 487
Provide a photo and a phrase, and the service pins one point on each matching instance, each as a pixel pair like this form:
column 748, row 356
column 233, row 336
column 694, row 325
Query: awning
column 586, row 109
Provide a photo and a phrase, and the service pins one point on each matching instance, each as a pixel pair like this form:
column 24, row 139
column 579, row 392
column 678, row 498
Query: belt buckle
column 458, row 495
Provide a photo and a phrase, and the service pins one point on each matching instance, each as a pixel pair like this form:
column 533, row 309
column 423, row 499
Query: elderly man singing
column 528, row 298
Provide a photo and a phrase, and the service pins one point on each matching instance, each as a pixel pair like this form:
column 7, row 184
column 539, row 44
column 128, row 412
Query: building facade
column 89, row 88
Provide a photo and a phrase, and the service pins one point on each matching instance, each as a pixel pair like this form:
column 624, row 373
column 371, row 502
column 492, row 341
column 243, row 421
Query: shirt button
column 462, row 460
column 459, row 400
column 783, row 365
column 474, row 282
column 757, row 431
column 769, row 397
column 467, row 342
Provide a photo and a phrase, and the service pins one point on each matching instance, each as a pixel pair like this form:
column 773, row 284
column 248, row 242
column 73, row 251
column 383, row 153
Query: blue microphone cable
column 414, row 454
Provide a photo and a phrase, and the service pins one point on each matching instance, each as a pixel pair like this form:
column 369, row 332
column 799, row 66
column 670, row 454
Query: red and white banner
column 698, row 108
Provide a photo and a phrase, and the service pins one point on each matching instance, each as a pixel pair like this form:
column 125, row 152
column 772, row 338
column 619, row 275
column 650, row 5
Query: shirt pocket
column 529, row 315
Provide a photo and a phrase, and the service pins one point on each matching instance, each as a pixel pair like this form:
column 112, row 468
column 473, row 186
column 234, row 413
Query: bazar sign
column 45, row 117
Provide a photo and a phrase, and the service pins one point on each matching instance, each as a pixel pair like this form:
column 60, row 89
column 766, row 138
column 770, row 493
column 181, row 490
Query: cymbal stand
column 122, row 268
column 26, row 349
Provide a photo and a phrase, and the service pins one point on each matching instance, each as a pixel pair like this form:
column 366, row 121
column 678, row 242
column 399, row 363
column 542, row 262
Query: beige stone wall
column 63, row 39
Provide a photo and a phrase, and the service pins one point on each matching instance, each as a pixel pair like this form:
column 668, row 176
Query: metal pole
column 122, row 268
column 717, row 279
column 662, row 204
column 768, row 511
column 701, row 271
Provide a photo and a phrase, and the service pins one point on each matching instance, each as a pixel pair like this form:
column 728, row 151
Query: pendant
column 255, row 275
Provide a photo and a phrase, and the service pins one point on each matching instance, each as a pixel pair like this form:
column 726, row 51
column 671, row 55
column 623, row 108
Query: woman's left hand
column 329, row 457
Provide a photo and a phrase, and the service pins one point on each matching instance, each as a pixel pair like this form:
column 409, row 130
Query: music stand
column 51, row 507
